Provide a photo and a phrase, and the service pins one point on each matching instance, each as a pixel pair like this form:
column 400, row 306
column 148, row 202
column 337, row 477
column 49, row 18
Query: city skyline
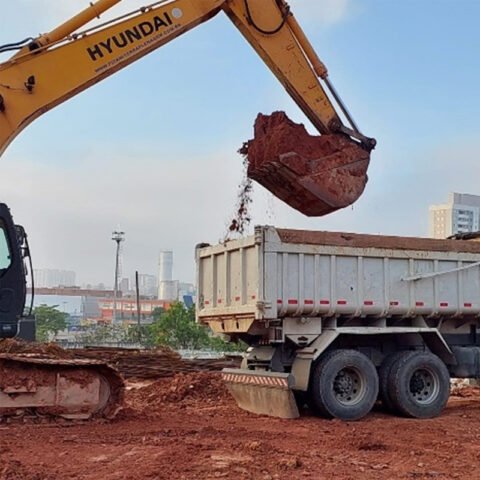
column 161, row 284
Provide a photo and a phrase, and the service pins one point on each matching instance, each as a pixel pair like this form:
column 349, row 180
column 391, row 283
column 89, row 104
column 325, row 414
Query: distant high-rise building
column 165, row 266
column 124, row 285
column 167, row 288
column 49, row 278
column 147, row 285
column 461, row 214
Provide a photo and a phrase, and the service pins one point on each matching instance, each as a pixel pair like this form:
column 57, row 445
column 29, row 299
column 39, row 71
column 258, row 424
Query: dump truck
column 339, row 321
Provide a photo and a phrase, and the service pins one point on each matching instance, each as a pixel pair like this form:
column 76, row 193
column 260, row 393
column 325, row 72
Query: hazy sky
column 153, row 148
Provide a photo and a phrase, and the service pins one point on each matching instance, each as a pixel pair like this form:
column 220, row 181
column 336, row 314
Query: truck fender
column 303, row 361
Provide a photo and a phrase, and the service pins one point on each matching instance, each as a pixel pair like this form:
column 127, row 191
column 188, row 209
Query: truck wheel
column 383, row 376
column 344, row 384
column 419, row 385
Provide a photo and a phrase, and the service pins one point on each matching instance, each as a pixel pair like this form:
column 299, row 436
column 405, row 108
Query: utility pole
column 137, row 290
column 118, row 238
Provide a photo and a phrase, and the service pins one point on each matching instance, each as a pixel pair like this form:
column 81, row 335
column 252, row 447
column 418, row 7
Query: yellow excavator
column 327, row 174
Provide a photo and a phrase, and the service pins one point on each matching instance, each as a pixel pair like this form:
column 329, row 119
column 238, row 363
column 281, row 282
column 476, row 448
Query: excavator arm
column 56, row 66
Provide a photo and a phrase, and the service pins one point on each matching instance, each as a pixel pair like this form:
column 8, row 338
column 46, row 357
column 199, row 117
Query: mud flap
column 264, row 393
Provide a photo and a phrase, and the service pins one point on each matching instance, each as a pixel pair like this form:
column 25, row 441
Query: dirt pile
column 49, row 350
column 153, row 364
column 192, row 389
column 137, row 364
column 313, row 174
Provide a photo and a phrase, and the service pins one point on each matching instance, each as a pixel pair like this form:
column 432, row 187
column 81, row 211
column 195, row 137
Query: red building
column 127, row 308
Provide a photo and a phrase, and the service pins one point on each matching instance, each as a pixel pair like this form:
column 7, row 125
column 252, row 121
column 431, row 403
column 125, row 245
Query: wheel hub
column 417, row 383
column 348, row 386
column 343, row 384
column 423, row 386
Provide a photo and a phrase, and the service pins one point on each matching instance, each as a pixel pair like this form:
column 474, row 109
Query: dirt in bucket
column 316, row 175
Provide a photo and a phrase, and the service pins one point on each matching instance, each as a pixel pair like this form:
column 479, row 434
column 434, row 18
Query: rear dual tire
column 384, row 376
column 344, row 385
column 415, row 384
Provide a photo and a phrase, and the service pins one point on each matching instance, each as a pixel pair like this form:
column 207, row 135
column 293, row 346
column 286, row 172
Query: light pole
column 118, row 238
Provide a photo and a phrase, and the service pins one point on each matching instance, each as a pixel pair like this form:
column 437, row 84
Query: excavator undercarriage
column 39, row 380
column 73, row 389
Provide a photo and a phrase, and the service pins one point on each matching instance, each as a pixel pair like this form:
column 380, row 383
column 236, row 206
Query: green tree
column 104, row 333
column 140, row 333
column 157, row 313
column 177, row 328
column 221, row 344
column 50, row 321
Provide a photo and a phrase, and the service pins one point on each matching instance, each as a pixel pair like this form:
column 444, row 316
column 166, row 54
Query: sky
column 152, row 149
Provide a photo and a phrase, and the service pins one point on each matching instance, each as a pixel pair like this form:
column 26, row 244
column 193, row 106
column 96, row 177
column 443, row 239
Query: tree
column 141, row 334
column 177, row 328
column 221, row 344
column 157, row 313
column 50, row 321
column 103, row 334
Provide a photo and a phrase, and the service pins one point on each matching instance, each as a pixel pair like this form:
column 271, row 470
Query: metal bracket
column 437, row 274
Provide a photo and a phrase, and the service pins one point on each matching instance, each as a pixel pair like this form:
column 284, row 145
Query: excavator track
column 73, row 389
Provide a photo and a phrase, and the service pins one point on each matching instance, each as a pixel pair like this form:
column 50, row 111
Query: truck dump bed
column 278, row 273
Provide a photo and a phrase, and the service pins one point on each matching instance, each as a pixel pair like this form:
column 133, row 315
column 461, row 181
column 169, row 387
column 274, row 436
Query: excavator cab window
column 5, row 256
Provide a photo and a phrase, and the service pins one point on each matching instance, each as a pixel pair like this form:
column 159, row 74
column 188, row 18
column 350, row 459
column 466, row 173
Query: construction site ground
column 187, row 427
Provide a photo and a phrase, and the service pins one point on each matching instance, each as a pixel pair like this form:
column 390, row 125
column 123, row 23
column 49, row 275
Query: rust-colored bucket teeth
column 316, row 175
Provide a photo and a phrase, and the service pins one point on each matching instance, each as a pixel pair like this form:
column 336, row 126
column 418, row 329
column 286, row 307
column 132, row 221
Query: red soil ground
column 188, row 428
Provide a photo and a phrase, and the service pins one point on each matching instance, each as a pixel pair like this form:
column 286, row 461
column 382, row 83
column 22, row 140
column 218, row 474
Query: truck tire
column 419, row 385
column 344, row 385
column 383, row 376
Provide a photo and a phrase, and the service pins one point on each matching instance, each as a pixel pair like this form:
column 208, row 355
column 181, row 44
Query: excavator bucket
column 316, row 175
column 264, row 393
column 68, row 388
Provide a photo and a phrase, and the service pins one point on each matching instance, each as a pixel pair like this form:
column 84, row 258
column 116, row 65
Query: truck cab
column 13, row 284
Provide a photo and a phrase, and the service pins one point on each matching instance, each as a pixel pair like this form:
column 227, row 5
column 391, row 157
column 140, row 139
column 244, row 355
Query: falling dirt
column 242, row 218
column 316, row 175
column 187, row 428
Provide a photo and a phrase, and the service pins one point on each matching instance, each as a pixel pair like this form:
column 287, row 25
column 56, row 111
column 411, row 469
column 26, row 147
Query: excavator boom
column 58, row 65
